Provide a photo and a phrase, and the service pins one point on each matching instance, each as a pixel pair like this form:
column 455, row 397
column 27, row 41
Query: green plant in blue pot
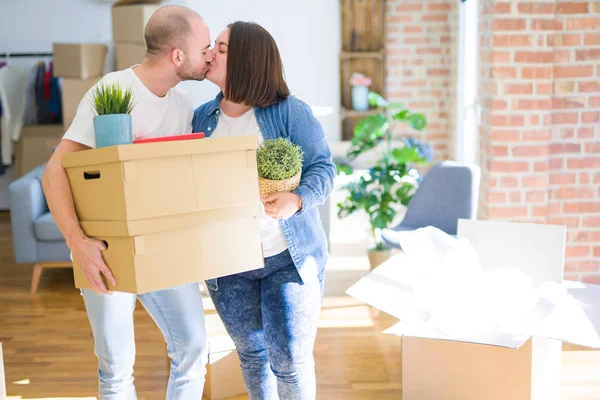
column 112, row 123
column 383, row 190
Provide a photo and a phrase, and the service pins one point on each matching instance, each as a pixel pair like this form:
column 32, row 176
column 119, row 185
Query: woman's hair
column 254, row 67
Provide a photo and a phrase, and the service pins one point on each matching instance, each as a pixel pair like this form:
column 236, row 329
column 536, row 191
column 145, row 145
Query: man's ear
column 177, row 57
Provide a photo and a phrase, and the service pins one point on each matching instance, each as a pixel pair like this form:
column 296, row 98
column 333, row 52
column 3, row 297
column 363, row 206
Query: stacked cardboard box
column 79, row 65
column 171, row 213
column 129, row 18
column 35, row 145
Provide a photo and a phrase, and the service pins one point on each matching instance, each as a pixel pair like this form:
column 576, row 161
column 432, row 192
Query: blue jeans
column 179, row 314
column 272, row 315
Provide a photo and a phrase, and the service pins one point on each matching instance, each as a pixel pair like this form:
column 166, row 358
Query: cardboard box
column 163, row 252
column 129, row 22
column 79, row 60
column 130, row 54
column 34, row 147
column 223, row 372
column 525, row 366
column 2, row 377
column 140, row 181
column 73, row 91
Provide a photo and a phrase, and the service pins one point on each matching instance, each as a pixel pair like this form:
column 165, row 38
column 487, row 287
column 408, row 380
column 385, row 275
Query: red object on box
column 170, row 138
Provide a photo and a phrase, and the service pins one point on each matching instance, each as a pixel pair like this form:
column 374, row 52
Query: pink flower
column 358, row 79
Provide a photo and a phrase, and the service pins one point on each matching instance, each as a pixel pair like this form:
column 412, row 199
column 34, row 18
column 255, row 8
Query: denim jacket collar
column 213, row 105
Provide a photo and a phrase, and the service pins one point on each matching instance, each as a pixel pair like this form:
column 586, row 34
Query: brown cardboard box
column 140, row 181
column 73, row 91
column 164, row 252
column 129, row 22
column 79, row 60
column 2, row 378
column 130, row 54
column 223, row 373
column 170, row 213
column 34, row 147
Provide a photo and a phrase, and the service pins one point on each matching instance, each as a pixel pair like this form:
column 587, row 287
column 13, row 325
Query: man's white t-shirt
column 271, row 233
column 152, row 116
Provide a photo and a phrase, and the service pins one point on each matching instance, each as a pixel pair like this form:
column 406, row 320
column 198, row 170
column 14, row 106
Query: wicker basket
column 268, row 187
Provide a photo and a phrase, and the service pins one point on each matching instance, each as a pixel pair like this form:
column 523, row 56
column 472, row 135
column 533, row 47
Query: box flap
column 538, row 250
column 168, row 223
column 426, row 332
column 163, row 149
column 572, row 316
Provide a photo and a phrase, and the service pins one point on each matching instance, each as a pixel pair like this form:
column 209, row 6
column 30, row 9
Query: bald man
column 178, row 42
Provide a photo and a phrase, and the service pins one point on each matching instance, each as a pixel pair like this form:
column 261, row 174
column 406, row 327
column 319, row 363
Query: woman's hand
column 282, row 205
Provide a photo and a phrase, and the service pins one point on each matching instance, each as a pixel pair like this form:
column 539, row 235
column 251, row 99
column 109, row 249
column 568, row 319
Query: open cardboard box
column 439, row 366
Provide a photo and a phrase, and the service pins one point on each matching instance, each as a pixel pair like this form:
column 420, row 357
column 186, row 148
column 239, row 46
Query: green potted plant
column 112, row 122
column 383, row 190
column 279, row 163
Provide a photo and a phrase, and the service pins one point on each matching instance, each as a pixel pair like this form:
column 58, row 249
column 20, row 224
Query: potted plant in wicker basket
column 279, row 164
column 113, row 107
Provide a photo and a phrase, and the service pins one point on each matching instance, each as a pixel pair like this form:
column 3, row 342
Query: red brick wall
column 540, row 134
column 540, row 96
column 421, row 64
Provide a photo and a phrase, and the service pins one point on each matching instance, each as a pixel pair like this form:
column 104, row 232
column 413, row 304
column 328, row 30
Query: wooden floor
column 48, row 344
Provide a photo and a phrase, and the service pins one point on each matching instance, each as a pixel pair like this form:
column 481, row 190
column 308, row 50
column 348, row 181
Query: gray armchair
column 36, row 238
column 448, row 192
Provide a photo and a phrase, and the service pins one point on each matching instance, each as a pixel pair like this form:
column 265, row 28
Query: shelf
column 348, row 113
column 362, row 54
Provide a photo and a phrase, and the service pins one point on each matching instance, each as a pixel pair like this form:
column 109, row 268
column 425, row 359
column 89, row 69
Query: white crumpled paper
column 454, row 295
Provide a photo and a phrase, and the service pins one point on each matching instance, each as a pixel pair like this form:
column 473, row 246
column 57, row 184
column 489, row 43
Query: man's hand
column 88, row 254
column 281, row 205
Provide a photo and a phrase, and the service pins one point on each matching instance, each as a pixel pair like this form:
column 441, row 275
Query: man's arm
column 59, row 197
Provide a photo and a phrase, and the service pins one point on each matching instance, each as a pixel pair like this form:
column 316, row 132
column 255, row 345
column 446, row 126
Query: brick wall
column 540, row 133
column 421, row 64
column 540, row 95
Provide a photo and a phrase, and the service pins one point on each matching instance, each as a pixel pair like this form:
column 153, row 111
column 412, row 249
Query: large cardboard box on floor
column 129, row 22
column 34, row 147
column 130, row 54
column 73, row 91
column 456, row 344
column 170, row 213
column 79, row 60
column 223, row 372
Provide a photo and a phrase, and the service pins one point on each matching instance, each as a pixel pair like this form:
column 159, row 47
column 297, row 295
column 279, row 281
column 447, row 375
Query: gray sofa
column 36, row 238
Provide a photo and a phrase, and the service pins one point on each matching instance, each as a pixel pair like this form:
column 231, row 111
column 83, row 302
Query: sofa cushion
column 46, row 230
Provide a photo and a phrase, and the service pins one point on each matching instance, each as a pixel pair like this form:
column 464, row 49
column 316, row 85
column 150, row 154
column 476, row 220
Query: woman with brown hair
column 272, row 313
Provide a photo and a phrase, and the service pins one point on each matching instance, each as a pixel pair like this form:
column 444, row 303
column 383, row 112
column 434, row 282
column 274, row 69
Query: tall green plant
column 390, row 183
column 112, row 99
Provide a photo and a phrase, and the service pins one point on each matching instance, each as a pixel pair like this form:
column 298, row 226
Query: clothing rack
column 24, row 55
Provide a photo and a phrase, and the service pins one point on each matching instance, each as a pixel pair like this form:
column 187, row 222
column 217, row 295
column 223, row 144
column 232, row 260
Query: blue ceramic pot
column 112, row 130
column 360, row 98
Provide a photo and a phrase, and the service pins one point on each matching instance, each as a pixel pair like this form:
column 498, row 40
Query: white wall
column 307, row 33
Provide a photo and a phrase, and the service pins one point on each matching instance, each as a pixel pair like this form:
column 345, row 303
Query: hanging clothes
column 13, row 86
column 30, row 116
